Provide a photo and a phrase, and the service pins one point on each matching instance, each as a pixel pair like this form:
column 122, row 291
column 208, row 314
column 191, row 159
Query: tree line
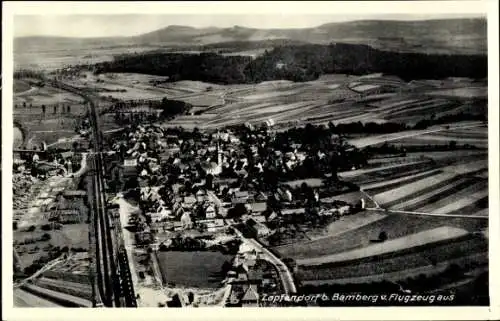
column 298, row 63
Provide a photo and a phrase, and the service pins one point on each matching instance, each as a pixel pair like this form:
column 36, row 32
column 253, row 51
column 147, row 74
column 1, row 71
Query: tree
column 209, row 181
column 382, row 237
column 31, row 228
column 44, row 109
column 237, row 211
column 55, row 109
column 190, row 297
column 45, row 237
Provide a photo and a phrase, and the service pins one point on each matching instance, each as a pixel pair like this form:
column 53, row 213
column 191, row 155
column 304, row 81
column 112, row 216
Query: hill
column 453, row 36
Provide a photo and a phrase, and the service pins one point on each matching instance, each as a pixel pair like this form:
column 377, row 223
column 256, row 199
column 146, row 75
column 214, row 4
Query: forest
column 298, row 63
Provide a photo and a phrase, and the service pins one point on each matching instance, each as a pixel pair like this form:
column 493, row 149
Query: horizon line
column 470, row 17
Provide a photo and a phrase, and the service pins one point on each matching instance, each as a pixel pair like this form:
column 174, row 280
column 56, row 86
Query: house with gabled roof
column 251, row 296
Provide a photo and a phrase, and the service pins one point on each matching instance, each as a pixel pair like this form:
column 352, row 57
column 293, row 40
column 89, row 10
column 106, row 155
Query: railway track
column 115, row 287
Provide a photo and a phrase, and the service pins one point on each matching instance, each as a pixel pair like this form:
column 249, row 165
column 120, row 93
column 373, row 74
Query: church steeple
column 219, row 152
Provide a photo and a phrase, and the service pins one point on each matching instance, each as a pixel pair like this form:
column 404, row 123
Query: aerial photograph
column 236, row 161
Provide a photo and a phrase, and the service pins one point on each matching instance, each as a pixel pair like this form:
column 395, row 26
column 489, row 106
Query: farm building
column 258, row 228
column 240, row 197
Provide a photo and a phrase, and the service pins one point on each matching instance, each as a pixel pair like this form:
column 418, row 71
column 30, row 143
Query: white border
column 290, row 8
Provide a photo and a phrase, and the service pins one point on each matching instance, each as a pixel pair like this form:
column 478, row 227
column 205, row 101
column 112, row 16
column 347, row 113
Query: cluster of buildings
column 209, row 181
column 250, row 277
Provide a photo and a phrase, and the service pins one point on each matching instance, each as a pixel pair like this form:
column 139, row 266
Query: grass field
column 418, row 239
column 400, row 268
column 192, row 269
column 395, row 225
column 455, row 184
column 46, row 95
column 20, row 86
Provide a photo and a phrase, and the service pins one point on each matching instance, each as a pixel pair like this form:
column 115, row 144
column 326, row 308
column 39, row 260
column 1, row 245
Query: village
column 214, row 192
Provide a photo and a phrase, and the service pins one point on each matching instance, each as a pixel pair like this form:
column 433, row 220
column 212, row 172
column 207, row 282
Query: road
column 283, row 271
column 484, row 217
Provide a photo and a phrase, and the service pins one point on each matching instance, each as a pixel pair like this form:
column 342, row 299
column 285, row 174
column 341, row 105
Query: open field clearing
column 364, row 88
column 35, row 57
column 437, row 139
column 394, row 160
column 410, row 134
column 20, row 86
column 395, row 225
column 435, row 194
column 346, row 224
column 351, row 198
column 192, row 269
column 465, row 201
column 68, row 287
column 458, row 200
column 467, row 166
column 46, row 96
column 379, row 187
column 397, row 101
column 385, row 173
column 56, row 296
column 453, row 154
column 410, row 241
column 76, row 235
column 24, row 299
column 397, row 269
column 417, row 187
column 398, row 167
column 418, row 111
column 409, row 191
column 463, row 92
column 251, row 53
column 48, row 130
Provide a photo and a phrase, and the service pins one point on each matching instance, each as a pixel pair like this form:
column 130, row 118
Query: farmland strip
column 479, row 258
column 407, row 191
column 377, row 188
column 412, row 240
column 431, row 208
column 435, row 194
column 468, row 204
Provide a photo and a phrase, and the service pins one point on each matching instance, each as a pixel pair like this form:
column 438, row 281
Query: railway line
column 114, row 284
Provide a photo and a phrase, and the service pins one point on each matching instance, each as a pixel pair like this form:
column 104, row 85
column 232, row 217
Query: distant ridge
column 462, row 36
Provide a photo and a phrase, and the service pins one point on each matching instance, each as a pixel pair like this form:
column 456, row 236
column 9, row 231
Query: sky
column 129, row 25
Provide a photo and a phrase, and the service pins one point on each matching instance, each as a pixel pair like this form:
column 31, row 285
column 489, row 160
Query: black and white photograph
column 181, row 160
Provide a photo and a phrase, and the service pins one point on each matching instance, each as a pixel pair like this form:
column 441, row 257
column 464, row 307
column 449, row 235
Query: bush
column 46, row 227
column 45, row 237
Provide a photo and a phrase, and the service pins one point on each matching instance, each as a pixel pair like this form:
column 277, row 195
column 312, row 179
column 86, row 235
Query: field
column 337, row 98
column 46, row 95
column 472, row 133
column 192, row 269
column 359, row 236
column 419, row 239
column 430, row 261
column 40, row 56
column 452, row 189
